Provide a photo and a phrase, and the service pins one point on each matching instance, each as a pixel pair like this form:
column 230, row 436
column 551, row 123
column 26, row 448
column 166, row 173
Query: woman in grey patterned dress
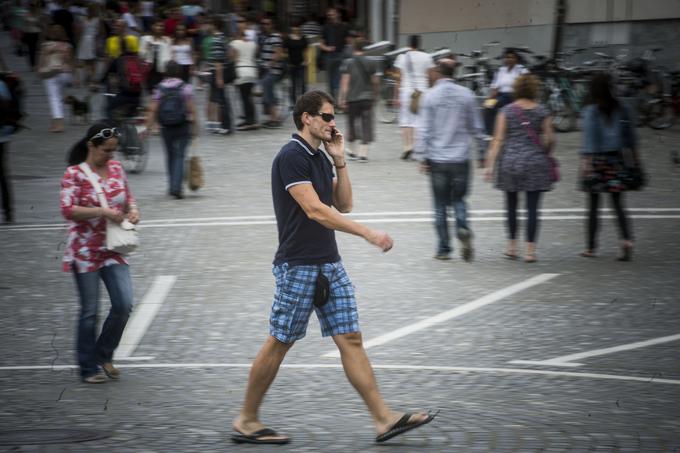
column 523, row 140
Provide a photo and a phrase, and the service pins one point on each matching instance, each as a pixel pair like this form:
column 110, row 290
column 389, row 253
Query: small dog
column 80, row 110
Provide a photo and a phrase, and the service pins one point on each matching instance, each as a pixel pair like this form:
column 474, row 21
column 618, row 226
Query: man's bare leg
column 262, row 374
column 360, row 374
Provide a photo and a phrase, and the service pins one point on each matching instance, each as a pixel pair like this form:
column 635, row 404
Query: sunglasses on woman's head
column 106, row 133
column 327, row 117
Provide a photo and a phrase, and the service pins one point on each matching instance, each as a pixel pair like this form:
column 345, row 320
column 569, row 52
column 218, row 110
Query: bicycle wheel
column 660, row 114
column 133, row 150
column 564, row 117
column 386, row 110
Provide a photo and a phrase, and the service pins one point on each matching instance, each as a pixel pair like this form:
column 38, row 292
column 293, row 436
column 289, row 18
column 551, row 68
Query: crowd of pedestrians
column 171, row 54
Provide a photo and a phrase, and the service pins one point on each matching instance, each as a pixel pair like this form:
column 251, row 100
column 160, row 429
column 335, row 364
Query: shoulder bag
column 414, row 105
column 120, row 238
column 194, row 173
column 554, row 165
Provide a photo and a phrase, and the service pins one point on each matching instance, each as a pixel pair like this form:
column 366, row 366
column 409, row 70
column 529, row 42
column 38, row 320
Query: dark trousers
column 93, row 350
column 333, row 63
column 31, row 40
column 594, row 205
column 511, row 201
column 298, row 84
column 490, row 115
column 220, row 97
column 4, row 183
column 449, row 187
column 175, row 140
column 246, row 90
column 361, row 112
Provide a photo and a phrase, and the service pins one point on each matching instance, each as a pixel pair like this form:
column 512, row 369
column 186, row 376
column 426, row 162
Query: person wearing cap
column 501, row 93
column 449, row 121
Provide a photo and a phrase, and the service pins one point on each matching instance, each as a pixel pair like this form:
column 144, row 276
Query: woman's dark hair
column 78, row 153
column 173, row 69
column 601, row 94
column 310, row 102
column 414, row 41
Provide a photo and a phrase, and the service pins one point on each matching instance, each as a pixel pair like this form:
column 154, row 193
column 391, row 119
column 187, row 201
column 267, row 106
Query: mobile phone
column 334, row 132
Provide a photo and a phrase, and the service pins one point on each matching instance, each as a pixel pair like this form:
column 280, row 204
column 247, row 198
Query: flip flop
column 510, row 256
column 256, row 437
column 402, row 425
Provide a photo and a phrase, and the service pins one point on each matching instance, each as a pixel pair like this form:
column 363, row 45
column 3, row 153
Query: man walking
column 413, row 67
column 359, row 87
column 333, row 41
column 271, row 54
column 308, row 271
column 450, row 121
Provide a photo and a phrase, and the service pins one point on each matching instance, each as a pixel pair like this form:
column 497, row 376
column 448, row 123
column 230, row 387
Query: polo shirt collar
column 297, row 138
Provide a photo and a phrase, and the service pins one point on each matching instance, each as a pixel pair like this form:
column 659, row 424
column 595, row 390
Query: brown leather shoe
column 111, row 371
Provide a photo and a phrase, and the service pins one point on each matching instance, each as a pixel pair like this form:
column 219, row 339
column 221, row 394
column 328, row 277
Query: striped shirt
column 270, row 44
column 218, row 50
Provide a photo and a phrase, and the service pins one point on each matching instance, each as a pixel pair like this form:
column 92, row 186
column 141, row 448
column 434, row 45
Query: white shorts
column 406, row 117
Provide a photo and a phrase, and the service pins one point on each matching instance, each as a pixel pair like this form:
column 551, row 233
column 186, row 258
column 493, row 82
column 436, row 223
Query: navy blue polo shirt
column 302, row 240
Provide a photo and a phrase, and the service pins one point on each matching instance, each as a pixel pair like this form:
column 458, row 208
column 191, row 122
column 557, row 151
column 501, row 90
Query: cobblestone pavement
column 188, row 380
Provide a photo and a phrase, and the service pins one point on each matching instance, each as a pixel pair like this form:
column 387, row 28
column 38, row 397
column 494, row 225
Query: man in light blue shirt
column 449, row 123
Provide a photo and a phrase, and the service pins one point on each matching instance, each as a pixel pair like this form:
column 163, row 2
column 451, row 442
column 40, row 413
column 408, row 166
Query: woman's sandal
column 510, row 255
column 588, row 254
column 626, row 253
column 530, row 258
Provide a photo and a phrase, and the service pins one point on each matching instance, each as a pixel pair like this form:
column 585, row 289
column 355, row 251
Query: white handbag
column 120, row 238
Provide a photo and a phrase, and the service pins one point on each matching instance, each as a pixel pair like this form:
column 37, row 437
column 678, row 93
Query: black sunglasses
column 327, row 117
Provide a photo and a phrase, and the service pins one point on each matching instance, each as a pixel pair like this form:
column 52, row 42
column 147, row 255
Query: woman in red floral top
column 86, row 254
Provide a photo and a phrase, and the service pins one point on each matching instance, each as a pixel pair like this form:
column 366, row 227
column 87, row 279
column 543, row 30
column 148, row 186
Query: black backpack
column 172, row 110
column 11, row 111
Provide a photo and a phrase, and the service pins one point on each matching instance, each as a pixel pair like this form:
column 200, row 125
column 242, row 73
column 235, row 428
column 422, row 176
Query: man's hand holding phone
column 336, row 146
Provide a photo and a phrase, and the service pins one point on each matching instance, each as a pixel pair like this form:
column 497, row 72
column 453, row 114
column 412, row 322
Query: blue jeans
column 93, row 350
column 333, row 64
column 269, row 82
column 449, row 187
column 175, row 140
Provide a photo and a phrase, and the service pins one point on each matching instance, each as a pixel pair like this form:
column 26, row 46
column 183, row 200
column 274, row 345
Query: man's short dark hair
column 445, row 68
column 414, row 41
column 217, row 22
column 310, row 102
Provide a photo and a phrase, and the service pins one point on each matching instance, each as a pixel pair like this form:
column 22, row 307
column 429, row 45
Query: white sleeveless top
column 182, row 54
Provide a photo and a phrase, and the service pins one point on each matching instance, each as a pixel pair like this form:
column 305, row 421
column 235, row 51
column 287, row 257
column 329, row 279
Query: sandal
column 587, row 254
column 263, row 436
column 626, row 253
column 510, row 255
column 530, row 258
column 404, row 424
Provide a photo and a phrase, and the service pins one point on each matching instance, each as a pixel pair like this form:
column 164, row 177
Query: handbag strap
column 97, row 187
column 409, row 66
column 527, row 125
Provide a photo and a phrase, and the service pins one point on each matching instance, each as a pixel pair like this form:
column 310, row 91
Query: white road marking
column 167, row 223
column 397, row 367
column 569, row 360
column 454, row 312
column 143, row 315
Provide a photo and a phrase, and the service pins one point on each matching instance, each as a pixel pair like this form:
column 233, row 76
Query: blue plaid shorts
column 293, row 302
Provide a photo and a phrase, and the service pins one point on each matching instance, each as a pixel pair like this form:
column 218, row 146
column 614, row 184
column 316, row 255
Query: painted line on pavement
column 150, row 224
column 143, row 315
column 569, row 360
column 394, row 367
column 253, row 219
column 454, row 312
